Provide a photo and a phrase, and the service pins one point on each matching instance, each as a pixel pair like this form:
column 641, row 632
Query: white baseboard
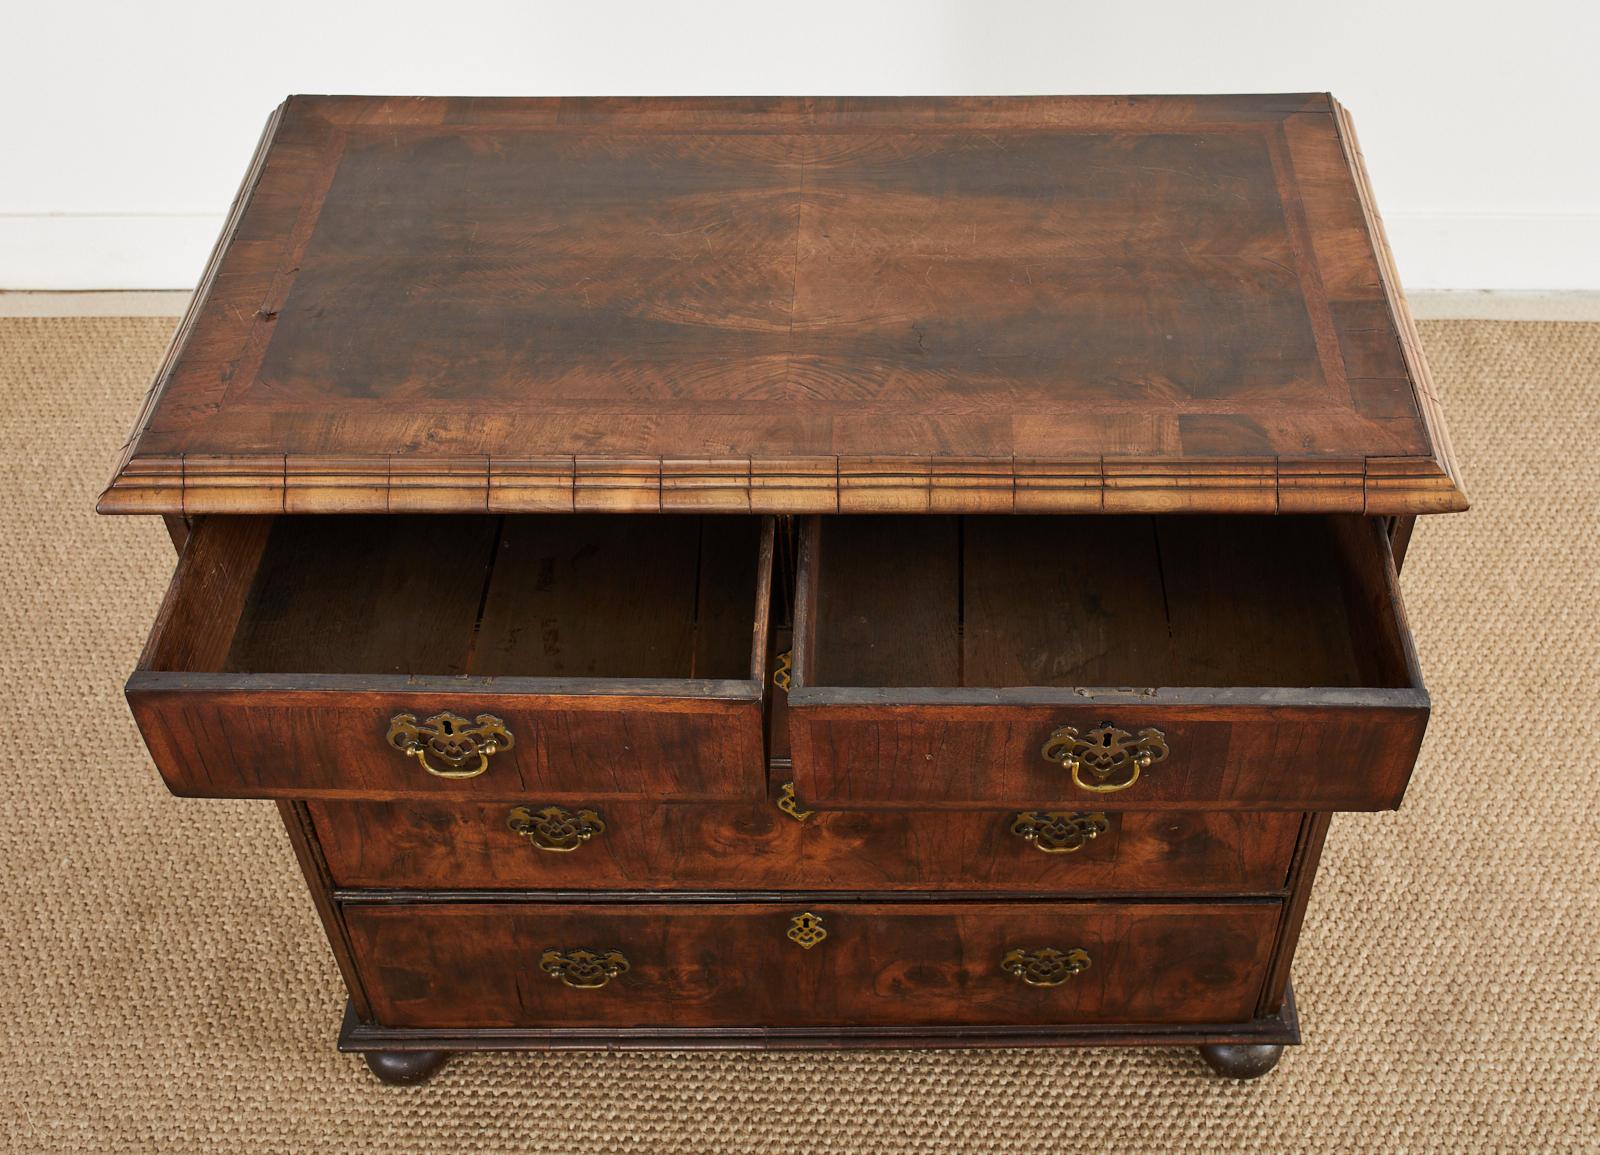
column 95, row 303
column 1518, row 252
column 1489, row 305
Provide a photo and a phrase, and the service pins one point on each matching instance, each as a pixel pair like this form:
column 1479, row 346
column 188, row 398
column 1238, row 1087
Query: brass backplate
column 1059, row 831
column 582, row 968
column 1046, row 966
column 1113, row 757
column 458, row 748
column 555, row 829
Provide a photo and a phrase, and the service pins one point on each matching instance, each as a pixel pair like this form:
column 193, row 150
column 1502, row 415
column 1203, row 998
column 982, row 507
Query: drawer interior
column 557, row 596
column 1109, row 601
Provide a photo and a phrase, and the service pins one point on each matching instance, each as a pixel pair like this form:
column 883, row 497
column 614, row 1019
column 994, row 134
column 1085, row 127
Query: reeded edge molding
column 191, row 315
column 329, row 483
column 1414, row 485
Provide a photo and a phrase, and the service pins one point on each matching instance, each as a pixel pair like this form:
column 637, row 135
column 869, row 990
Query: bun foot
column 1233, row 1061
column 403, row 1067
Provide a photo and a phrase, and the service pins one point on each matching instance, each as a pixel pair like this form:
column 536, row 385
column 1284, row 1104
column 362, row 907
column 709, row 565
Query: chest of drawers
column 794, row 573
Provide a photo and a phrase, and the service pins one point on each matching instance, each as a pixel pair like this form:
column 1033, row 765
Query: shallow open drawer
column 1138, row 662
column 564, row 656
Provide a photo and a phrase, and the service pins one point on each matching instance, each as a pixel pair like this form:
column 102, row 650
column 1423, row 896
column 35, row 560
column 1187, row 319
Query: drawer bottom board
column 504, row 965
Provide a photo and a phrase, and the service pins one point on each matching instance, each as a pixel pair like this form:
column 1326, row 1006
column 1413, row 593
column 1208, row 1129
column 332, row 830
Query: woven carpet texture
column 165, row 986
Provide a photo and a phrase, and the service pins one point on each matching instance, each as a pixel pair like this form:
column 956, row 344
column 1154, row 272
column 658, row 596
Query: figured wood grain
column 476, row 964
column 1053, row 304
column 649, row 845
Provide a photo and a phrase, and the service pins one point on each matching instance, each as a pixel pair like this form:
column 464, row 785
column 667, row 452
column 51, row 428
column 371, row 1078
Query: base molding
column 355, row 1035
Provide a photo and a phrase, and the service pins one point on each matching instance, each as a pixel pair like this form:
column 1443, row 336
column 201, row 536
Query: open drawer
column 1119, row 662
column 571, row 657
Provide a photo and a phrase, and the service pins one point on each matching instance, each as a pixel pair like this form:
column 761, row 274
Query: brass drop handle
column 1046, row 966
column 554, row 829
column 461, row 748
column 582, row 968
column 1114, row 758
column 1059, row 831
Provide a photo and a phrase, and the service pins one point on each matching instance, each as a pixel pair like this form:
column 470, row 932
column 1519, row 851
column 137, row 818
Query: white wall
column 126, row 126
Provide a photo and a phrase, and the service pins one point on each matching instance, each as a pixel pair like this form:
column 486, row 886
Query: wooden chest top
column 788, row 305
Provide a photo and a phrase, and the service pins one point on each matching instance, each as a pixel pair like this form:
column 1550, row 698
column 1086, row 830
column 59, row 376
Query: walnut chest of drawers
column 796, row 573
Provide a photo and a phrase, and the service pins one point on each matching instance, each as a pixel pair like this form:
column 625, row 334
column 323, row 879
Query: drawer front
column 1331, row 757
column 526, row 964
column 262, row 743
column 625, row 845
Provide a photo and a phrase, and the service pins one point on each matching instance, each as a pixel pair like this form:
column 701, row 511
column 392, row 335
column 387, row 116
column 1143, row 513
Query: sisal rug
column 164, row 984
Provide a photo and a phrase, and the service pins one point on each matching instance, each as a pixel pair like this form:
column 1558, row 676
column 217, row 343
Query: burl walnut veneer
column 796, row 573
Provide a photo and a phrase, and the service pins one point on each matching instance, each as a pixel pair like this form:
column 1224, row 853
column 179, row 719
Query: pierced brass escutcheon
column 1059, row 831
column 586, row 970
column 450, row 739
column 783, row 675
column 790, row 805
column 807, row 930
column 554, row 829
column 1114, row 758
column 1045, row 967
